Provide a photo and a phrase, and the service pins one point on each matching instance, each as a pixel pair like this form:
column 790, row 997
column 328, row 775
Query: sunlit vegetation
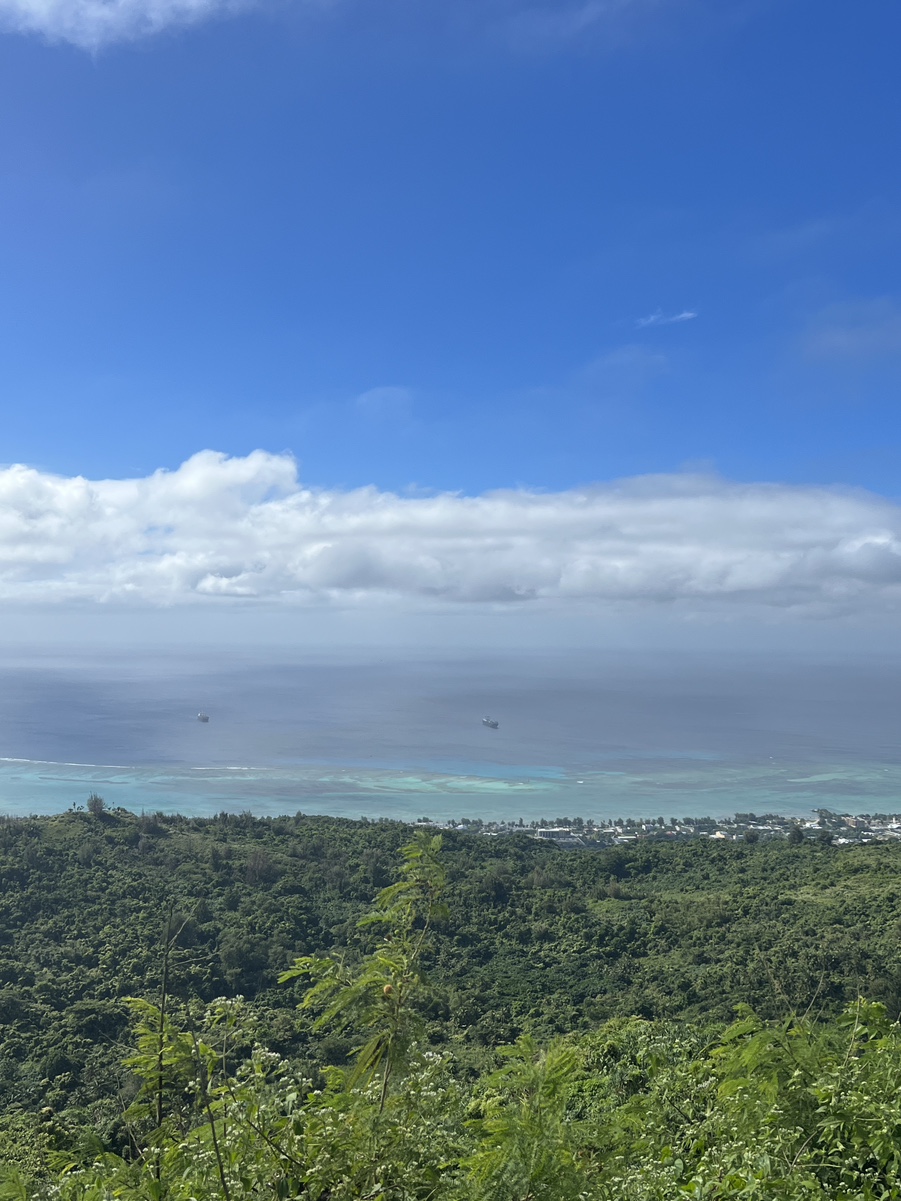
column 313, row 1008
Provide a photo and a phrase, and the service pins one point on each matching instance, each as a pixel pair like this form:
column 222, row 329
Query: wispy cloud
column 853, row 234
column 240, row 530
column 658, row 317
column 542, row 25
column 388, row 403
column 860, row 330
column 533, row 25
column 623, row 371
column 547, row 26
column 91, row 24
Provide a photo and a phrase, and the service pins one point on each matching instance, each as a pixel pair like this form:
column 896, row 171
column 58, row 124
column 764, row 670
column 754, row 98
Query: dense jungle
column 235, row 1007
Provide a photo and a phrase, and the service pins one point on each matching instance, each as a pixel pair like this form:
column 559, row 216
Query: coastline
column 629, row 789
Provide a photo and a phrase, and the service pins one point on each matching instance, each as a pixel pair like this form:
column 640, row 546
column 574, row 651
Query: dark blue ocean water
column 595, row 735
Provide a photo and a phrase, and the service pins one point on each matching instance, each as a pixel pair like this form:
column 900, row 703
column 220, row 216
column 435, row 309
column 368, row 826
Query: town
column 825, row 826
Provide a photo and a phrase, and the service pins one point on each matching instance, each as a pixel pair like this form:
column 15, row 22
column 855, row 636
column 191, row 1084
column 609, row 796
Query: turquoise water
column 663, row 789
column 595, row 738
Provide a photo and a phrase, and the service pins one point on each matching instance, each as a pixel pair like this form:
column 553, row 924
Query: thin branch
column 204, row 1096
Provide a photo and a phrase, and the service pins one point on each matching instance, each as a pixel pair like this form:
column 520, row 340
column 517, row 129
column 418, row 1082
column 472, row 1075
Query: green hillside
column 639, row 957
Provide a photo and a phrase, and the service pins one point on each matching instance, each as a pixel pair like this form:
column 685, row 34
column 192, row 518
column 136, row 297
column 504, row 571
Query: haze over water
column 596, row 735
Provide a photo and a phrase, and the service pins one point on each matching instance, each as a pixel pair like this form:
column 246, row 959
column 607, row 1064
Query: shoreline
column 632, row 790
column 828, row 827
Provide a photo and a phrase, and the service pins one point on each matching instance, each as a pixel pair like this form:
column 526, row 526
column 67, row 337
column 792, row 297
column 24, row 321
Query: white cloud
column 246, row 529
column 94, row 23
column 659, row 318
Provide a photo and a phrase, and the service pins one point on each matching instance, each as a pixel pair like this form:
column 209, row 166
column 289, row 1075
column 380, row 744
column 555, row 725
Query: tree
column 96, row 805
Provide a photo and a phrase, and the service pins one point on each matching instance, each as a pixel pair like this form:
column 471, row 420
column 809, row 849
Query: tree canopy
column 306, row 1007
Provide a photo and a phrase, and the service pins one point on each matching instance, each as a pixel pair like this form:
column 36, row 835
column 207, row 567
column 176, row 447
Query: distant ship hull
column 490, row 723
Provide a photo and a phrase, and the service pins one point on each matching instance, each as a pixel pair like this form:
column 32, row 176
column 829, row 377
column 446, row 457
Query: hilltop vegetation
column 637, row 956
column 388, row 1081
column 535, row 939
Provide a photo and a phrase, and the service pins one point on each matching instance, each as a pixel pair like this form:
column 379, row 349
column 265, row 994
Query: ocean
column 401, row 736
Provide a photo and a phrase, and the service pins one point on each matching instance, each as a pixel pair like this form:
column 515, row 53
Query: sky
column 576, row 308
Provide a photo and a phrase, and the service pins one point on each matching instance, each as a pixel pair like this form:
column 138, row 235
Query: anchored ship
column 490, row 723
column 202, row 717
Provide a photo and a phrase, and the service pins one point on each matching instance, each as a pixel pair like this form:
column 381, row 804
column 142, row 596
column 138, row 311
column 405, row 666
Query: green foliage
column 794, row 1109
column 96, row 805
column 24, row 1149
column 199, row 1131
column 377, row 1069
column 529, row 1147
column 380, row 996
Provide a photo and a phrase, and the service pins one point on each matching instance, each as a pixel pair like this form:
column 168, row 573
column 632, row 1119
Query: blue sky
column 371, row 311
column 442, row 247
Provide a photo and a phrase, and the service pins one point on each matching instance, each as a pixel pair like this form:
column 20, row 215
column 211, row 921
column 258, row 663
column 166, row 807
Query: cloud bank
column 94, row 23
column 223, row 529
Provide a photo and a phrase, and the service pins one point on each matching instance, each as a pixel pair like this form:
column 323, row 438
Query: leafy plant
column 381, row 997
